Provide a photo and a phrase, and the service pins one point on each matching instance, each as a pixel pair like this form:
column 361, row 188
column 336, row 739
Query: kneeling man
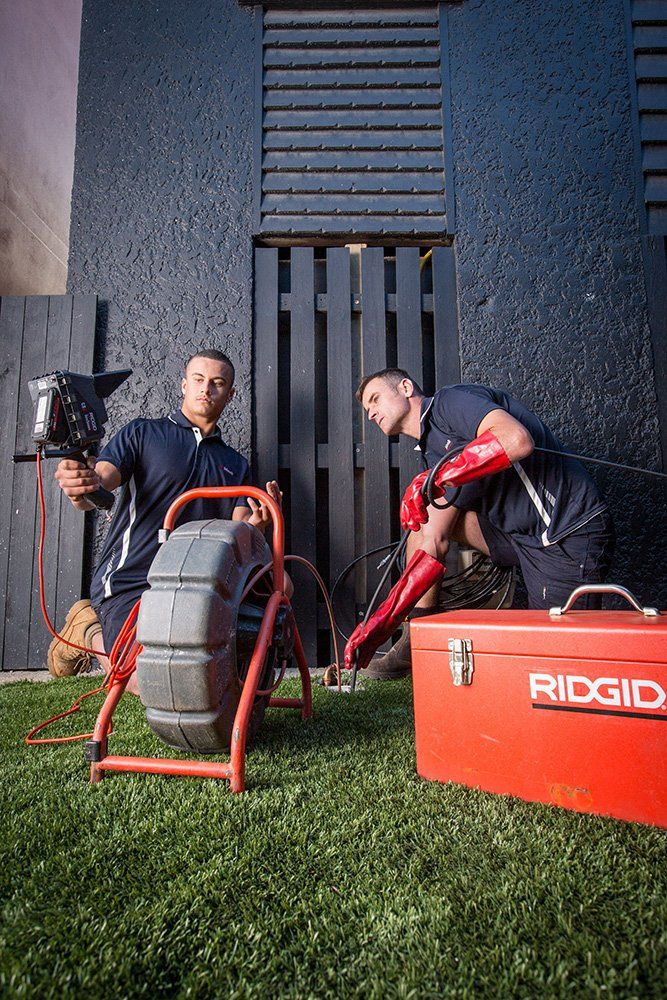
column 154, row 461
column 521, row 507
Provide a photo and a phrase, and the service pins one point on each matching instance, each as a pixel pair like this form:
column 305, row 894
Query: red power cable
column 123, row 657
column 40, row 560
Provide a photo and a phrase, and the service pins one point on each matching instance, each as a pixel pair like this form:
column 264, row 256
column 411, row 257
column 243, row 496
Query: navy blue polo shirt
column 540, row 499
column 158, row 460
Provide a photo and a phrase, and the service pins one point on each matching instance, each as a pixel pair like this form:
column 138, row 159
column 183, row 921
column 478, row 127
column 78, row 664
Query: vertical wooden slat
column 445, row 318
column 302, row 432
column 446, row 338
column 22, row 527
column 72, row 522
column 409, row 338
column 56, row 358
column 376, row 445
column 266, row 365
column 12, row 309
column 340, row 406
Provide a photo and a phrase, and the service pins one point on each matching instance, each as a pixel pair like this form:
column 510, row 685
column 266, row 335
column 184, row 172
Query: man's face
column 386, row 404
column 207, row 388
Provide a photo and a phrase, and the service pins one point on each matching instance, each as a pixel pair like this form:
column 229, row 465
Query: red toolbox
column 566, row 707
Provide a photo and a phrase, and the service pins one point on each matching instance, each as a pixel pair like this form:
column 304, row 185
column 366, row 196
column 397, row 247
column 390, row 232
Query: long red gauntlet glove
column 421, row 573
column 482, row 457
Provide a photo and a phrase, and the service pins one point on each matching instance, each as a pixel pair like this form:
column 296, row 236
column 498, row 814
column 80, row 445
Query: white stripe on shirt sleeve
column 532, row 493
column 132, row 486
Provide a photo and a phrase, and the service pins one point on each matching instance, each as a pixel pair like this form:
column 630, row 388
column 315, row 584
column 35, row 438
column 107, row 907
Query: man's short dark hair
column 391, row 375
column 213, row 355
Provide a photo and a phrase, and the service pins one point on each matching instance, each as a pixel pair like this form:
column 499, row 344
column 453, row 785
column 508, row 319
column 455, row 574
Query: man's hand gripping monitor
column 69, row 417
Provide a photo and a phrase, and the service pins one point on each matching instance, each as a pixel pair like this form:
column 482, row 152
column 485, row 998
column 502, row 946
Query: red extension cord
column 123, row 657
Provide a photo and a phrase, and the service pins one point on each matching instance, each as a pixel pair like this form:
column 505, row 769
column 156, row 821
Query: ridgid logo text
column 610, row 695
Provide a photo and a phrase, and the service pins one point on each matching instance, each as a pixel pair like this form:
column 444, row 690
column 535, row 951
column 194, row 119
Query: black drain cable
column 463, row 592
column 603, row 461
column 427, row 493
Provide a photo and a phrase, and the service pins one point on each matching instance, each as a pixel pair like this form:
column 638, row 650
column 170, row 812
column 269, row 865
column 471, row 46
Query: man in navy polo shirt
column 155, row 461
column 520, row 506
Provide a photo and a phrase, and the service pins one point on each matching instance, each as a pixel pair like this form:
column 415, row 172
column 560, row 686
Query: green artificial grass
column 338, row 874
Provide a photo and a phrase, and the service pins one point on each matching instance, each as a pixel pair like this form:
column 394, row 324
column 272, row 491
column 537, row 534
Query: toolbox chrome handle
column 603, row 588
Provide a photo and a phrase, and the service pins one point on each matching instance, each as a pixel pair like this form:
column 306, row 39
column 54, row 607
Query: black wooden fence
column 38, row 334
column 318, row 328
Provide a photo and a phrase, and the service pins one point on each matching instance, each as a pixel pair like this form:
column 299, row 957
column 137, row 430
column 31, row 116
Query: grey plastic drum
column 187, row 673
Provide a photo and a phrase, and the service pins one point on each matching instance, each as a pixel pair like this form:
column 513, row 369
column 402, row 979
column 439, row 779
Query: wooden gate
column 323, row 319
column 38, row 334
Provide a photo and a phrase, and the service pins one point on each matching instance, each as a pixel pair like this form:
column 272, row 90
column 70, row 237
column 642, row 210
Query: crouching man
column 521, row 507
column 154, row 461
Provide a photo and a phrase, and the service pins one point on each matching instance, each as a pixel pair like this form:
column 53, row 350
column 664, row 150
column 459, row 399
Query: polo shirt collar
column 178, row 417
column 427, row 403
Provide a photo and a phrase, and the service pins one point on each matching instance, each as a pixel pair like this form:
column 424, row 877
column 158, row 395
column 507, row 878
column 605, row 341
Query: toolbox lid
column 587, row 635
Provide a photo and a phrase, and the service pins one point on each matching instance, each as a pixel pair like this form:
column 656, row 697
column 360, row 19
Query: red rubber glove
column 482, row 457
column 421, row 573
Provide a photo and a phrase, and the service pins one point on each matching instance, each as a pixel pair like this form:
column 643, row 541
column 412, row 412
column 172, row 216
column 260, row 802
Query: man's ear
column 407, row 387
column 183, row 386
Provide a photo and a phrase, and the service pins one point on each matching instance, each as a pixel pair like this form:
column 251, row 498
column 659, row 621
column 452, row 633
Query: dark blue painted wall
column 552, row 297
column 551, row 283
column 161, row 211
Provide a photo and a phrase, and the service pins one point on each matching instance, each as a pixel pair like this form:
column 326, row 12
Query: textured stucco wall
column 161, row 212
column 551, row 286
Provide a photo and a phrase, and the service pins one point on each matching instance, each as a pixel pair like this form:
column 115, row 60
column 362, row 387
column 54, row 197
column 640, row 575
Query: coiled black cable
column 472, row 587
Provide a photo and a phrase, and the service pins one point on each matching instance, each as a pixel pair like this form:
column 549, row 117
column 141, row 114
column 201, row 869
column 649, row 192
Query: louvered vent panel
column 649, row 36
column 352, row 130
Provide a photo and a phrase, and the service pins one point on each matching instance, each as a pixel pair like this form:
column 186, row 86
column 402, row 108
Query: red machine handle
column 217, row 492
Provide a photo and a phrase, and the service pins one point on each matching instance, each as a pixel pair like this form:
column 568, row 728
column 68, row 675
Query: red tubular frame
column 234, row 769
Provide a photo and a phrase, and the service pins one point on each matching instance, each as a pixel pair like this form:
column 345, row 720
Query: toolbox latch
column 461, row 661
